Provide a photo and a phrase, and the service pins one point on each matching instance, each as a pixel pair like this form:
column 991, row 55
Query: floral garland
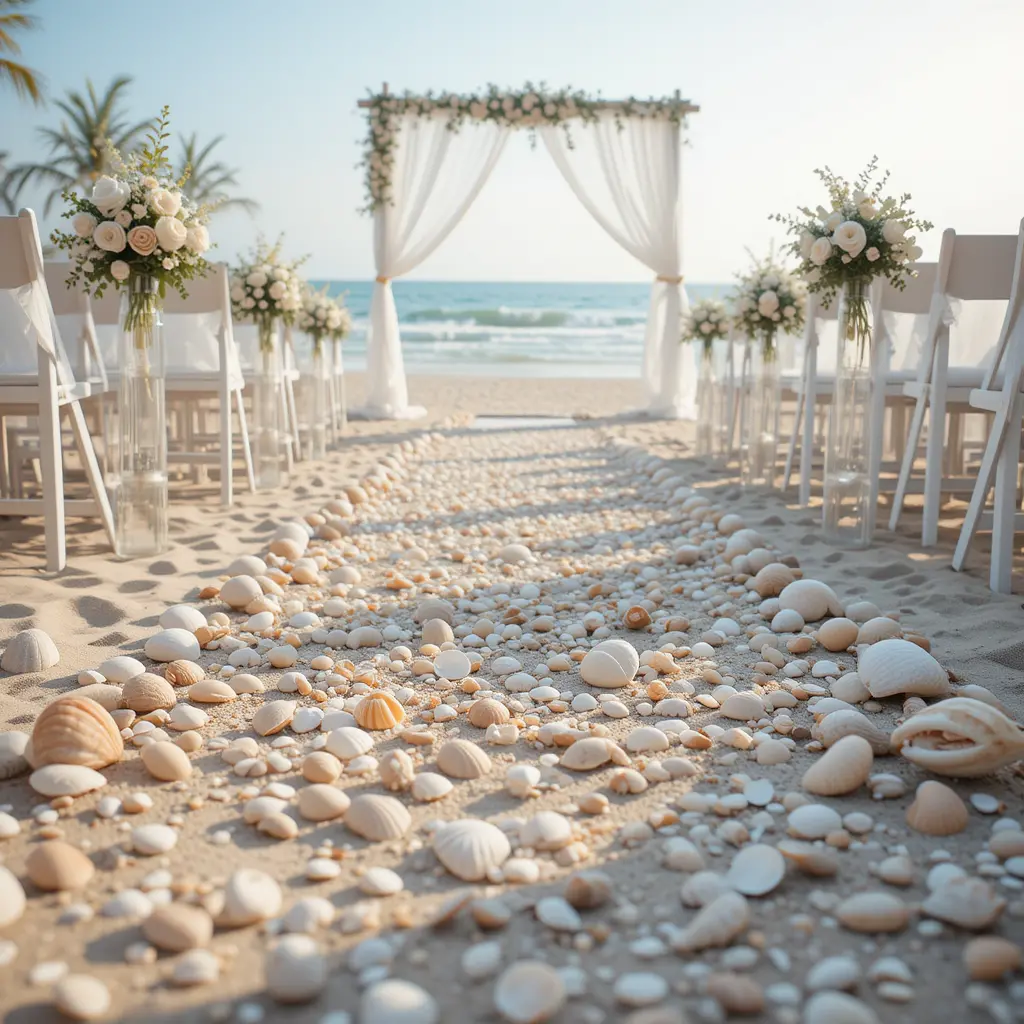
column 767, row 298
column 707, row 322
column 266, row 289
column 323, row 317
column 528, row 107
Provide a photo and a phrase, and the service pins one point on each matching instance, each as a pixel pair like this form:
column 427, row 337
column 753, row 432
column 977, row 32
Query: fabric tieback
column 670, row 280
column 381, row 279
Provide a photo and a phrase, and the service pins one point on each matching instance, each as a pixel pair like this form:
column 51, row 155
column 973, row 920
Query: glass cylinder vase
column 140, row 484
column 849, row 508
column 269, row 440
column 707, row 402
column 761, row 416
column 318, row 413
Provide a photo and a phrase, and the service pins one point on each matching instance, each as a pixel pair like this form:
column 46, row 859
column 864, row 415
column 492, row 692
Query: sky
column 931, row 86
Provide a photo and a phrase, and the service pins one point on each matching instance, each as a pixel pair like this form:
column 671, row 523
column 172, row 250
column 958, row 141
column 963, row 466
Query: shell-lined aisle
column 521, row 727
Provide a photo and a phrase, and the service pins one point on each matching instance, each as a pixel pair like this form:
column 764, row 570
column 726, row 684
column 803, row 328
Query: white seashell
column 890, row 667
column 788, row 620
column 813, row 821
column 646, row 739
column 772, row 579
column 756, row 870
column 546, row 830
column 743, row 707
column 960, row 737
column 680, row 854
column 879, row 628
column 850, row 688
column 873, row 912
column 182, row 616
column 295, row 970
column 470, row 848
column 837, row 1008
column 81, row 997
column 150, row 840
column 120, row 669
column 306, row 720
column 834, row 972
column 837, row 634
column 377, row 817
column 811, row 598
column 850, row 722
column 273, row 716
column 31, row 650
column 348, row 742
column 717, row 924
column 240, row 590
column 429, row 786
column 250, row 896
column 529, row 992
column 612, row 663
column 453, row 665
column 321, row 802
column 378, row 881
column 12, row 898
column 463, row 759
column 556, row 913
column 521, row 780
column 394, row 1001
column 843, row 768
column 55, row 780
column 173, row 645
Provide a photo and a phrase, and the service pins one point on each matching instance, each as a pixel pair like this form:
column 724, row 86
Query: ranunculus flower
column 259, row 292
column 767, row 303
column 278, row 290
column 248, row 302
column 197, row 238
column 84, row 224
column 789, row 312
column 150, row 182
column 124, row 218
column 171, row 233
column 164, row 203
column 281, row 273
column 820, row 251
column 257, row 279
column 872, row 254
column 119, row 270
column 142, row 239
column 893, row 231
column 109, row 236
column 850, row 237
column 110, row 196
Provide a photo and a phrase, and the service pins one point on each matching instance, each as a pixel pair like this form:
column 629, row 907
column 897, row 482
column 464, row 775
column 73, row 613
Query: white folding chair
column 974, row 272
column 1000, row 394
column 290, row 370
column 36, row 380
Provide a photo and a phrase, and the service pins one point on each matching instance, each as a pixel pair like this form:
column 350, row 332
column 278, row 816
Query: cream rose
column 84, row 224
column 821, row 250
column 109, row 236
column 119, row 270
column 164, row 203
column 872, row 254
column 867, row 209
column 278, row 290
column 124, row 218
column 257, row 279
column 197, row 238
column 833, row 220
column 142, row 239
column 893, row 231
column 767, row 303
column 171, row 233
column 110, row 196
column 237, row 293
column 850, row 237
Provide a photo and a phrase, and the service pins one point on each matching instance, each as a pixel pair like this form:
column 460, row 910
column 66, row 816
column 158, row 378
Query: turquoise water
column 517, row 329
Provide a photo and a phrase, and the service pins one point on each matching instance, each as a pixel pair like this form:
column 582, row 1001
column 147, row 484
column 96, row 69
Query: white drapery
column 436, row 176
column 627, row 174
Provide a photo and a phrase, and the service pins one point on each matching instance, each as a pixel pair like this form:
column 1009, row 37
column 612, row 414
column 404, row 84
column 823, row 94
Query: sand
column 100, row 606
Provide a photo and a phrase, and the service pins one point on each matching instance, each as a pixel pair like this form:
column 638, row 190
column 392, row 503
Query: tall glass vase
column 268, row 450
column 761, row 416
column 318, row 414
column 707, row 401
column 849, row 511
column 140, row 483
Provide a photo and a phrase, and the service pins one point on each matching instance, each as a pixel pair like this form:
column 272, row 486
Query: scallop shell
column 873, row 912
column 348, row 742
column 146, row 693
column 611, row 663
column 894, row 666
column 837, row 634
column 74, row 730
column 960, row 737
column 183, row 673
column 31, row 650
column 429, row 786
column 379, row 710
column 377, row 817
column 811, row 598
column 966, row 902
column 843, row 768
column 937, row 810
column 773, row 579
column 463, row 759
column 470, row 848
column 273, row 716
column 488, row 711
column 321, row 802
column 717, row 924
column 850, row 722
column 756, row 870
column 879, row 628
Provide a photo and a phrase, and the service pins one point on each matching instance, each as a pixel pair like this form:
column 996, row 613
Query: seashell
column 873, row 912
column 394, row 1001
column 788, row 620
column 295, row 970
column 837, row 1008
column 588, row 890
column 966, row 902
column 756, row 870
column 735, row 993
column 429, row 786
column 558, row 914
column 260, row 806
column 397, row 770
column 12, row 754
column 150, row 840
column 849, row 722
column 242, row 682
column 211, row 691
column 521, row 780
column 743, row 707
column 612, row 663
column 55, row 780
column 146, row 693
column 250, row 896
column 56, row 866
column 74, row 730
column 636, row 617
column 837, row 634
column 987, row 958
column 463, row 759
column 348, row 742
column 843, row 768
column 879, row 628
column 452, row 665
column 166, row 762
column 177, row 927
column 12, row 898
column 960, row 737
column 813, row 821
column 717, row 924
column 486, row 712
column 937, row 810
column 183, row 673
column 182, row 616
column 811, row 598
column 529, row 992
column 273, row 716
column 238, row 591
column 377, row 817
column 278, row 825
column 891, row 667
column 433, row 608
column 120, row 669
column 437, row 632
column 81, row 997
column 591, row 752
column 379, row 710
column 546, row 830
column 850, row 688
column 321, row 802
column 646, row 739
column 470, row 849
column 821, row 861
column 172, row 645
column 773, row 579
column 986, row 696
column 31, row 650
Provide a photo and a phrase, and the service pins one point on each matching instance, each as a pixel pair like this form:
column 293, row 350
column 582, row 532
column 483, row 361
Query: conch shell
column 960, row 737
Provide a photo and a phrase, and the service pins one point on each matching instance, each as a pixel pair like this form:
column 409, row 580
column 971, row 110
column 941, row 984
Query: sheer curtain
column 627, row 175
column 437, row 174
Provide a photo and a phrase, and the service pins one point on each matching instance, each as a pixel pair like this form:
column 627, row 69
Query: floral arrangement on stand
column 323, row 317
column 266, row 289
column 768, row 299
column 707, row 322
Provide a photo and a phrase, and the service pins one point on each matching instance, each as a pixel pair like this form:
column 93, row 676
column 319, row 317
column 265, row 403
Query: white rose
column 767, row 303
column 850, row 237
column 706, row 327
column 164, row 203
column 806, row 241
column 263, row 303
column 833, row 220
column 257, row 279
column 248, row 302
column 110, row 236
column 867, row 209
column 259, row 292
column 124, row 218
column 872, row 254
column 171, row 233
column 150, row 182
column 237, row 293
column 789, row 312
column 281, row 274
column 770, row 281
column 197, row 238
column 278, row 290
column 893, row 231
column 119, row 270
column 110, row 195
column 915, row 252
column 84, row 224
column 820, row 251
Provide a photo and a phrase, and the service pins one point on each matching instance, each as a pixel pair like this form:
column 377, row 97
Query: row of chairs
column 949, row 350
column 59, row 359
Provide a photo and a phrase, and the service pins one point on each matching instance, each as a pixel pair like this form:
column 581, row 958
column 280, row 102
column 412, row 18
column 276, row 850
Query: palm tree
column 209, row 181
column 27, row 83
column 6, row 199
column 78, row 149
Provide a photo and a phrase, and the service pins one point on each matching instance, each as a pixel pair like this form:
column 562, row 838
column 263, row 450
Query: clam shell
column 873, row 912
column 432, row 608
column 717, row 924
column 177, row 927
column 348, row 742
column 773, row 579
column 120, row 669
column 452, row 664
column 843, row 768
column 183, row 673
column 837, row 634
column 612, row 663
column 12, row 898
column 470, row 848
column 31, row 650
column 295, row 969
column 211, row 691
column 273, row 716
column 146, row 693
column 172, row 645
column 850, row 722
column 879, row 628
column 546, row 830
column 812, row 599
column 463, row 759
column 488, row 711
column 529, row 992
column 106, row 695
column 250, row 896
column 238, row 591
column 75, row 730
column 322, row 802
column 243, row 682
column 756, row 870
column 379, row 710
column 377, row 817
column 820, row 861
column 429, row 786
column 969, row 903
column 56, row 866
column 591, row 752
column 894, row 666
column 437, row 632
column 166, row 762
column 813, row 821
column 837, row 1008
column 55, row 780
column 937, row 810
column 743, row 707
column 990, row 958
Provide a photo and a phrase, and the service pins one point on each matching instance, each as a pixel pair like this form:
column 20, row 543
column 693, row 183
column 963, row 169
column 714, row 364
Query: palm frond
column 26, row 82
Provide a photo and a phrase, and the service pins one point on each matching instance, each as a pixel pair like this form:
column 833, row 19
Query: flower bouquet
column 267, row 291
column 768, row 299
column 708, row 321
column 140, row 233
column 860, row 237
column 322, row 318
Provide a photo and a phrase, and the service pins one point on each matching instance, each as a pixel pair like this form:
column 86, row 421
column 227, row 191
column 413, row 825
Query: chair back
column 902, row 315
column 248, row 345
column 1008, row 355
column 73, row 309
column 821, row 331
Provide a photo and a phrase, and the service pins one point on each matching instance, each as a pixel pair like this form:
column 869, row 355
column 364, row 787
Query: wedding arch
column 427, row 157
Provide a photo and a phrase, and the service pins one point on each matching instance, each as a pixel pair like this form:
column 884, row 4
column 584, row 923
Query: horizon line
column 473, row 280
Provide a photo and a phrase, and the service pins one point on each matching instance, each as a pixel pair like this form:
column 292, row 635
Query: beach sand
column 547, row 484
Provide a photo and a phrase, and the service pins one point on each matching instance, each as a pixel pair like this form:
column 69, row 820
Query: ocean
column 479, row 328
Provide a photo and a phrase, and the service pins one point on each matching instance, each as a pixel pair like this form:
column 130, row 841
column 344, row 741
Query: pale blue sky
column 933, row 87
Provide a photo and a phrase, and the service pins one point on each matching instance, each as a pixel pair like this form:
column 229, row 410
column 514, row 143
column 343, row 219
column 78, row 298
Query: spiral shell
column 379, row 710
column 74, row 730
